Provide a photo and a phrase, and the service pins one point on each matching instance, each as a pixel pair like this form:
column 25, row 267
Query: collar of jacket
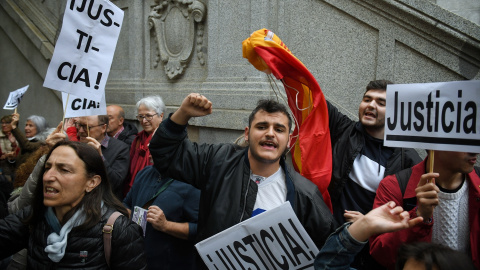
column 288, row 178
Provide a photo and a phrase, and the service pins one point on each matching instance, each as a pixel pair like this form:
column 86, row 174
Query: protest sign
column 14, row 98
column 438, row 116
column 84, row 51
column 274, row 239
column 76, row 106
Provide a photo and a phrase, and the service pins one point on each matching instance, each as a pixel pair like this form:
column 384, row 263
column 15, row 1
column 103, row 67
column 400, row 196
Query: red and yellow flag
column 311, row 152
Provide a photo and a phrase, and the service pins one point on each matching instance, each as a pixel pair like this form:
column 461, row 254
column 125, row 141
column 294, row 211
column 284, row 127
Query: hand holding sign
column 56, row 136
column 427, row 195
column 15, row 119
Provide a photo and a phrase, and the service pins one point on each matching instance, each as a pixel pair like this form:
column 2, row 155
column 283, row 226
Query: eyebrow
column 376, row 98
column 268, row 123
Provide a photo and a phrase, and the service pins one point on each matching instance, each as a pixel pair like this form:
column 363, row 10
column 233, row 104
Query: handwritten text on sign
column 14, row 98
column 438, row 116
column 84, row 51
column 77, row 106
column 274, row 239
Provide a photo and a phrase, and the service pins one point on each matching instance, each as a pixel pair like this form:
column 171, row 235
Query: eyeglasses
column 147, row 117
column 78, row 126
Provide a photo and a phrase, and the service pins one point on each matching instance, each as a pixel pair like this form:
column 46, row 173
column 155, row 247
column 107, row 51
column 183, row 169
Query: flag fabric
column 312, row 150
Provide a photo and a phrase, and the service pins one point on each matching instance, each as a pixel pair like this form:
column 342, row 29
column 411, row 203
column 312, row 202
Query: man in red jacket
column 448, row 199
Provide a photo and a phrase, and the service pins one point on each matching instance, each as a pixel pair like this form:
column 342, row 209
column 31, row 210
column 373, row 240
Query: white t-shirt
column 272, row 191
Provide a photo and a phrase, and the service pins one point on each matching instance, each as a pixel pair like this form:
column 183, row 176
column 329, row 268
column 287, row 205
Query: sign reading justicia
column 437, row 116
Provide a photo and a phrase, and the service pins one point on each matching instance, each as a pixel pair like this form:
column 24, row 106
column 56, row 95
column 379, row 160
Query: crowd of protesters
column 60, row 188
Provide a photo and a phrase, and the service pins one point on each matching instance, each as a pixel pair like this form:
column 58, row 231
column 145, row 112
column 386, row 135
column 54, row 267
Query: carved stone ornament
column 173, row 28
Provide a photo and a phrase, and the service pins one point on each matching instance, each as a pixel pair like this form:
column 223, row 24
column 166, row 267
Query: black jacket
column 126, row 253
column 222, row 173
column 128, row 134
column 348, row 140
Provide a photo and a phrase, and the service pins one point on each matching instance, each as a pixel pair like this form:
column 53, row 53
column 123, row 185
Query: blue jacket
column 179, row 202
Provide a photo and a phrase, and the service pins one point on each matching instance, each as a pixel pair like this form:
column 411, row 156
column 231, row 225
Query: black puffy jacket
column 348, row 140
column 84, row 249
column 222, row 173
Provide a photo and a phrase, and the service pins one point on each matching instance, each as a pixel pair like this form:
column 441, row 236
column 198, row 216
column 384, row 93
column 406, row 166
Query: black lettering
column 429, row 113
column 228, row 259
column 209, row 258
column 293, row 245
column 265, row 235
column 84, row 104
column 264, row 252
column 70, row 79
column 418, row 115
column 459, row 117
column 282, row 246
column 408, row 125
column 107, row 16
column 391, row 126
column 437, row 108
column 235, row 257
column 91, row 104
column 237, row 246
column 74, row 104
column 472, row 117
column 83, row 76
column 60, row 68
column 248, row 240
column 220, row 257
column 90, row 6
column 445, row 127
column 82, row 34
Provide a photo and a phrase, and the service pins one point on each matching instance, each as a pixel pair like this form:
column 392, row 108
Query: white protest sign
column 438, row 116
column 78, row 106
column 84, row 51
column 274, row 239
column 14, row 98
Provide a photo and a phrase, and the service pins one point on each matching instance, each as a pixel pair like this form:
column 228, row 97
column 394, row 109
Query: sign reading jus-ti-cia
column 438, row 116
column 84, row 51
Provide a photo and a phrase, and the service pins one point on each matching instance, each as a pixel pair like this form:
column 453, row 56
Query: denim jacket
column 339, row 250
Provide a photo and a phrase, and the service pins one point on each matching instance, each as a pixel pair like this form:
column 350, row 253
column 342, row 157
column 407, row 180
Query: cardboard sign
column 438, row 116
column 78, row 106
column 14, row 98
column 274, row 239
column 84, row 51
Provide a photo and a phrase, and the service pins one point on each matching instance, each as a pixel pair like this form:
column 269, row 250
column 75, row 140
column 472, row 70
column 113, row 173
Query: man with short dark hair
column 237, row 183
column 117, row 127
column 359, row 159
column 115, row 153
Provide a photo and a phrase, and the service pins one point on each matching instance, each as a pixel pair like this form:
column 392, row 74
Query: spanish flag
column 312, row 150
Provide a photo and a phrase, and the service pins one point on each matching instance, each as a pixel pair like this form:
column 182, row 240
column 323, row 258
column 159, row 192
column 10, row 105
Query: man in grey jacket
column 236, row 182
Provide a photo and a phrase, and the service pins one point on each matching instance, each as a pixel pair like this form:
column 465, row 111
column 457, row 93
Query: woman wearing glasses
column 150, row 114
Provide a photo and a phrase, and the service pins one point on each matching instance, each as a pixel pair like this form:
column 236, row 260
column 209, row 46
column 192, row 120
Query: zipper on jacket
column 245, row 200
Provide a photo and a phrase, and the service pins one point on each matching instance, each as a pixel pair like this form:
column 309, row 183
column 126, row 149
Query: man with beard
column 237, row 182
column 360, row 161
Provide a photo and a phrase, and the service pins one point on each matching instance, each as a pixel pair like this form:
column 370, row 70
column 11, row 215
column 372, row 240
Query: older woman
column 8, row 147
column 33, row 138
column 150, row 114
column 72, row 202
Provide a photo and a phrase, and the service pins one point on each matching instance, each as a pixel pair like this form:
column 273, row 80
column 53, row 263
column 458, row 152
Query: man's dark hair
column 378, row 84
column 103, row 120
column 433, row 256
column 270, row 106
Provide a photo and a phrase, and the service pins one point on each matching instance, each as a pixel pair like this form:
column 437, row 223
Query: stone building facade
column 175, row 47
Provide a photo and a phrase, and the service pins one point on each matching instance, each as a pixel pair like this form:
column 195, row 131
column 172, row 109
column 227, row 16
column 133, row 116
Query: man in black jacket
column 227, row 174
column 117, row 127
column 359, row 159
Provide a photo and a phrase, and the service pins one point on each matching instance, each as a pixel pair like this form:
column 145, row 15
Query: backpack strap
column 402, row 178
column 107, row 235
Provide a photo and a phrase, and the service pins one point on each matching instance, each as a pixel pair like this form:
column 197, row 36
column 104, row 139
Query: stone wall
column 172, row 50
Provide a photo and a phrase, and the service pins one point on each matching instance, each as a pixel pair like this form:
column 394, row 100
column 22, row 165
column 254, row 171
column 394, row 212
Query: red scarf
column 139, row 157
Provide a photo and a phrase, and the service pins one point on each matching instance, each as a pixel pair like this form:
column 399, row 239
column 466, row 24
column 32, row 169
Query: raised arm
column 194, row 105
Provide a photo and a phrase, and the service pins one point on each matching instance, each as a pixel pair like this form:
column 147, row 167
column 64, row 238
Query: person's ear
column 246, row 134
column 93, row 183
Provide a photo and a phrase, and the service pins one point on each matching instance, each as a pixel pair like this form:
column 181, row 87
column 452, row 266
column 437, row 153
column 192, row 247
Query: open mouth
column 50, row 191
column 269, row 144
column 370, row 114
